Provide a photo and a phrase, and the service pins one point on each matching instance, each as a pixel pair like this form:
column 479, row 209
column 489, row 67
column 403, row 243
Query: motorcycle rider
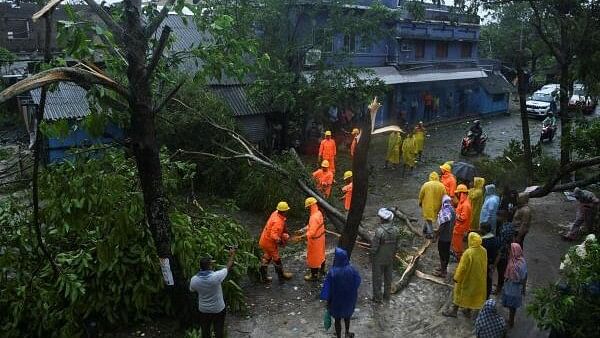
column 550, row 121
column 476, row 132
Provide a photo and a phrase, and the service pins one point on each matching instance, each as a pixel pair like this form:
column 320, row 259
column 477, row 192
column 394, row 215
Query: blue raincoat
column 490, row 207
column 340, row 289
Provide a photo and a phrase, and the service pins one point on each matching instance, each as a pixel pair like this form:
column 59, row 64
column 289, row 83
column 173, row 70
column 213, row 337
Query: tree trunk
column 565, row 114
column 360, row 187
column 522, row 89
column 146, row 150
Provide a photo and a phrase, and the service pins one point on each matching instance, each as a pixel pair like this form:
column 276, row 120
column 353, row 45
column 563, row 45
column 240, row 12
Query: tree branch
column 115, row 28
column 158, row 50
column 84, row 78
column 538, row 25
column 551, row 185
column 155, row 23
column 169, row 96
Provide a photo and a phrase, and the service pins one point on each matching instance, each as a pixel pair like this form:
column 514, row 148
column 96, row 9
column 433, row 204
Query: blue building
column 431, row 64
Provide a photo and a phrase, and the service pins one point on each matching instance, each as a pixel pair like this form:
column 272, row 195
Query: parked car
column 543, row 101
column 553, row 86
column 581, row 100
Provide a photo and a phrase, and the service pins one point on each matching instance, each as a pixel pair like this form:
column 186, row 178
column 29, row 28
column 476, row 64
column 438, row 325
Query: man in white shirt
column 207, row 283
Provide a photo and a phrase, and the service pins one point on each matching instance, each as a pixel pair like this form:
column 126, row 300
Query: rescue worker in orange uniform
column 324, row 178
column 328, row 150
column 449, row 180
column 273, row 236
column 347, row 190
column 355, row 133
column 315, row 240
column 463, row 220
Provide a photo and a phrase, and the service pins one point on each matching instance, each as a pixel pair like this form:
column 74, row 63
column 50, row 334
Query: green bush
column 571, row 308
column 92, row 217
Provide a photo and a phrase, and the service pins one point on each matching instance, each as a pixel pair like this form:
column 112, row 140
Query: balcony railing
column 416, row 10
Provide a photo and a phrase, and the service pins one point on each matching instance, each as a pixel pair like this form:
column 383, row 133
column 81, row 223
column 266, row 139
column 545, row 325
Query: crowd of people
column 454, row 213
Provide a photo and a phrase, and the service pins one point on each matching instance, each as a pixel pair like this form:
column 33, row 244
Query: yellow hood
column 474, row 240
column 478, row 182
column 434, row 176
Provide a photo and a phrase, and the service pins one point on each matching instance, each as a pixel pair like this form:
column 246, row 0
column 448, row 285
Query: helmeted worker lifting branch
column 328, row 150
column 273, row 236
column 324, row 178
column 315, row 240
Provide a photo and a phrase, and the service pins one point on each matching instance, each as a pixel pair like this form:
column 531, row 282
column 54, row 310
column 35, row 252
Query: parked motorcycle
column 548, row 132
column 469, row 145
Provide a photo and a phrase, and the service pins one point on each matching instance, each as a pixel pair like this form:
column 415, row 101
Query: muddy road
column 294, row 309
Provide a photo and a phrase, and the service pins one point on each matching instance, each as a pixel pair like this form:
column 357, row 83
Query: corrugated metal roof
column 67, row 101
column 235, row 97
column 391, row 75
column 254, row 127
column 496, row 84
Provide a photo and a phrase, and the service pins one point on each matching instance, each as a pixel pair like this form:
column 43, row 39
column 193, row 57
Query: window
column 17, row 29
column 441, row 50
column 349, row 43
column 466, row 49
column 419, row 49
column 323, row 39
column 498, row 97
column 363, row 46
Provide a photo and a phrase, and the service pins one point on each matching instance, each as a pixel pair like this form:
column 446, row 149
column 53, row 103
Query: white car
column 542, row 102
column 580, row 99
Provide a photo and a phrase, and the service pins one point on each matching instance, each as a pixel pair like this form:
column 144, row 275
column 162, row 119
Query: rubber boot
column 322, row 270
column 283, row 275
column 264, row 274
column 312, row 276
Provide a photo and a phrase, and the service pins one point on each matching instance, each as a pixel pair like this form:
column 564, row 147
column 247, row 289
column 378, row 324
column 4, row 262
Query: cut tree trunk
column 410, row 269
column 360, row 187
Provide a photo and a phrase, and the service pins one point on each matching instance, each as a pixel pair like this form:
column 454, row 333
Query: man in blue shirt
column 207, row 283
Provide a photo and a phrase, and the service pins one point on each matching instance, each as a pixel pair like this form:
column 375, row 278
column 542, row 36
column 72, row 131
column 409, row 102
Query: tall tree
column 134, row 41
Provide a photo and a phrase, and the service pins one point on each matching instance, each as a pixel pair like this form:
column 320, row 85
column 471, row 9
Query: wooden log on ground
column 410, row 269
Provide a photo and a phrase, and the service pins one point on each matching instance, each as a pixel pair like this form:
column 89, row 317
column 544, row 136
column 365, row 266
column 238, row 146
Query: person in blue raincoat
column 490, row 207
column 340, row 290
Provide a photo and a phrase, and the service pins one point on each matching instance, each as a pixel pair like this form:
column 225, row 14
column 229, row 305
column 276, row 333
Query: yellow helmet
column 446, row 167
column 328, row 133
column 347, row 174
column 461, row 188
column 310, row 201
column 283, row 206
column 355, row 131
column 325, row 164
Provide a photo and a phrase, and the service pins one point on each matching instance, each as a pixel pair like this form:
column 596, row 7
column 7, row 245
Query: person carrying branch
column 328, row 150
column 314, row 232
column 273, row 236
column 383, row 252
column 324, row 178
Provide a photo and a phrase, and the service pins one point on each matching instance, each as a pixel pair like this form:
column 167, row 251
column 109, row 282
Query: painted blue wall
column 58, row 148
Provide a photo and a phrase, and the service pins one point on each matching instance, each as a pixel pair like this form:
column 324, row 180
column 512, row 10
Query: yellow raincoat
column 476, row 195
column 470, row 276
column 419, row 138
column 393, row 150
column 409, row 152
column 430, row 197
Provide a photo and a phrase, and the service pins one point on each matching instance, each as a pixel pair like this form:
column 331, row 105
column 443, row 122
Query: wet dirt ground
column 293, row 309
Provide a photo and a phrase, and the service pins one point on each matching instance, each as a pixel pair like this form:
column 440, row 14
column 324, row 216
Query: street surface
column 294, row 309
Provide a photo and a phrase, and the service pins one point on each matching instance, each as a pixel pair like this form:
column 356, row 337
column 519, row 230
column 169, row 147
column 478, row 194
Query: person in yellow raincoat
column 419, row 139
column 476, row 197
column 430, row 201
column 470, row 278
column 315, row 240
column 393, row 150
column 409, row 153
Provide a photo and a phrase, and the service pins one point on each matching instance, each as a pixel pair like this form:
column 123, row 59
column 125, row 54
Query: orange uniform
column 353, row 146
column 347, row 190
column 327, row 151
column 315, row 238
column 449, row 182
column 274, row 231
column 462, row 225
column 324, row 181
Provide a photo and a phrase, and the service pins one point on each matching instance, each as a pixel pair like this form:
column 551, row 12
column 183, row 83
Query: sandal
column 448, row 313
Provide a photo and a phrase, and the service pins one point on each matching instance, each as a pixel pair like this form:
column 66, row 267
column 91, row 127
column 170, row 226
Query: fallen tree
column 553, row 184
